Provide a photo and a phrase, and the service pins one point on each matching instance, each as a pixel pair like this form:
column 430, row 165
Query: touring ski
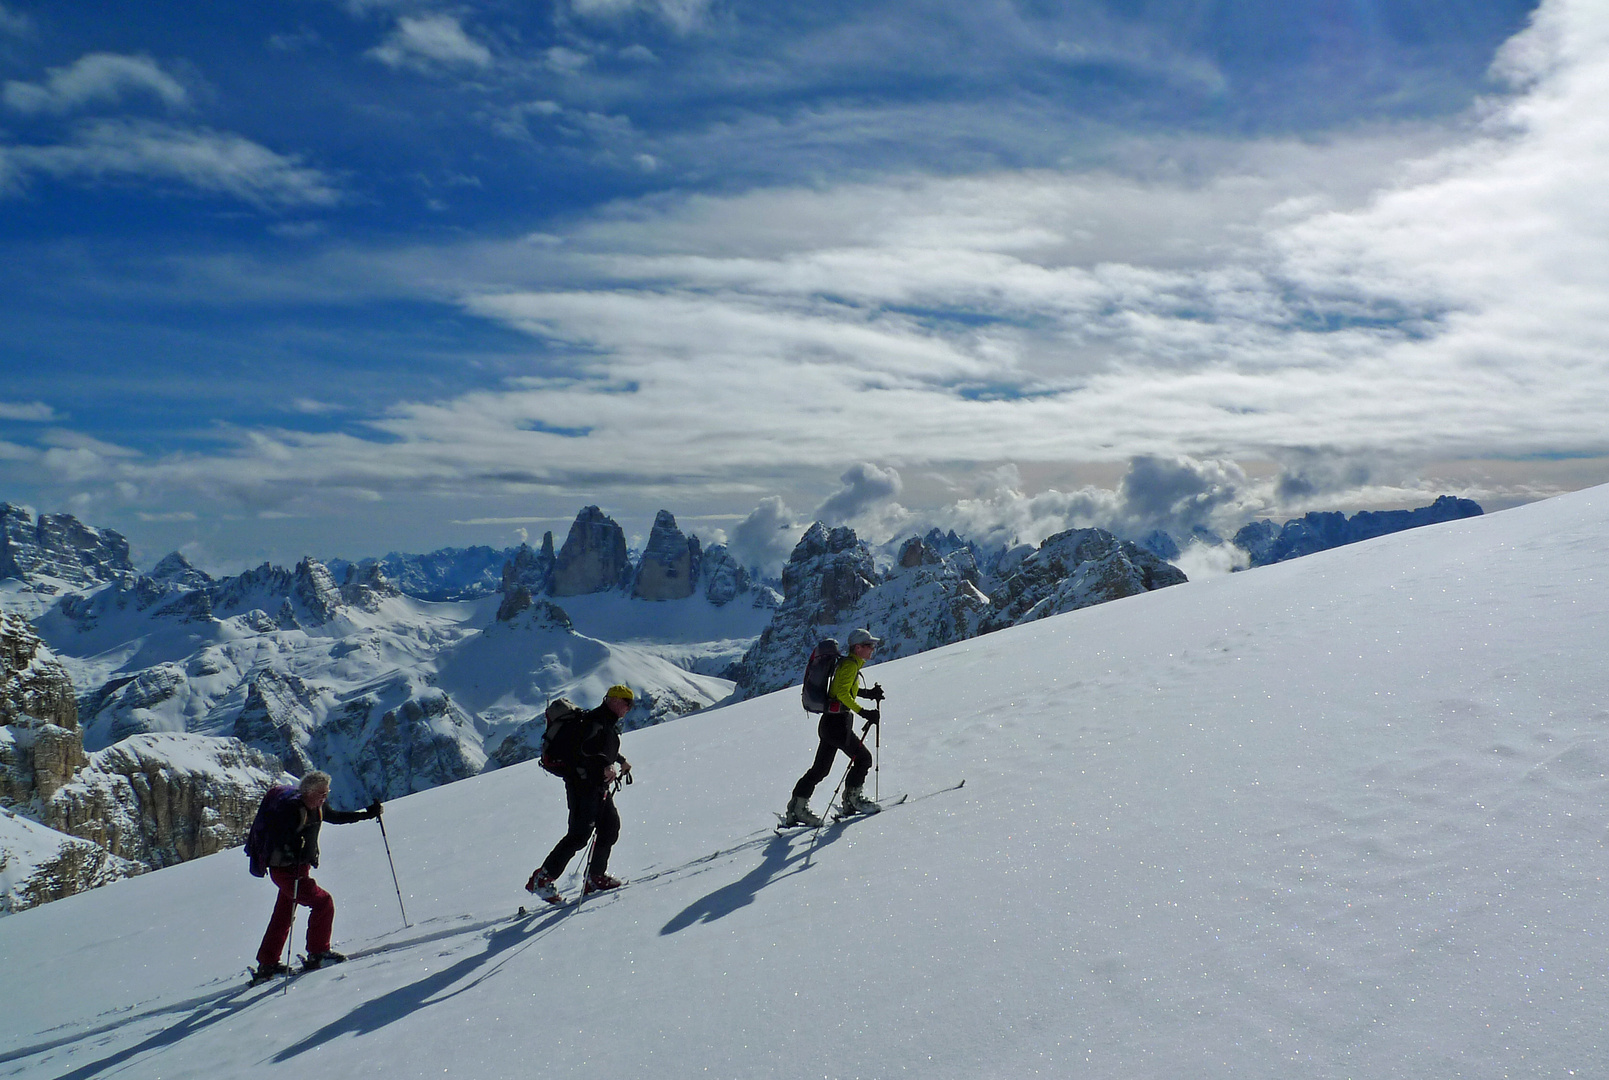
column 840, row 814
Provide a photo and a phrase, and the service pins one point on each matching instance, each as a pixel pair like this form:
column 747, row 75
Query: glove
column 375, row 808
column 874, row 694
column 873, row 716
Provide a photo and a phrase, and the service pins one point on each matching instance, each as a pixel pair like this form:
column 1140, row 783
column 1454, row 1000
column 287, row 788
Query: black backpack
column 818, row 675
column 561, row 739
column 267, row 827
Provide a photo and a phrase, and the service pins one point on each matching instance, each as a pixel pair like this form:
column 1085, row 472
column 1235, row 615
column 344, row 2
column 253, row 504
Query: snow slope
column 1338, row 817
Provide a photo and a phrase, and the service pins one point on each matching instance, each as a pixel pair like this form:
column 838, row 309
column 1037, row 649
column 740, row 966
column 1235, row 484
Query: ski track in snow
column 1342, row 816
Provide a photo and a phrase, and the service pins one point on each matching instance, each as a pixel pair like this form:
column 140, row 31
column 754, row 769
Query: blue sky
column 343, row 277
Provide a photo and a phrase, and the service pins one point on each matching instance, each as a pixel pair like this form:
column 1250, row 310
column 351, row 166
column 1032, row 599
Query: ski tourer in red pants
column 293, row 819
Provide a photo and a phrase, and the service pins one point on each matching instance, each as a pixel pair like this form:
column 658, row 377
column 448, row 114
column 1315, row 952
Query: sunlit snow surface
column 1342, row 816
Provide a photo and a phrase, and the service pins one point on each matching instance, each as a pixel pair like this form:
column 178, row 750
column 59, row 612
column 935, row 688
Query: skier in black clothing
column 589, row 790
column 296, row 815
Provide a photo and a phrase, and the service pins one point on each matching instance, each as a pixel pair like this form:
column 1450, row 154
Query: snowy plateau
column 1341, row 816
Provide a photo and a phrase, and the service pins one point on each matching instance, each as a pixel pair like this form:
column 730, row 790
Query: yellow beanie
column 620, row 691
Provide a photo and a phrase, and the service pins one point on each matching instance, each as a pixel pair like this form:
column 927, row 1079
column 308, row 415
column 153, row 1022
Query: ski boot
column 799, row 813
column 856, row 802
column 318, row 960
column 600, row 883
column 541, row 886
column 263, row 972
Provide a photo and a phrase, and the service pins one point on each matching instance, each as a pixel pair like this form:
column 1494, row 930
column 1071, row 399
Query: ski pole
column 387, row 843
column 290, row 936
column 877, row 759
column 844, row 777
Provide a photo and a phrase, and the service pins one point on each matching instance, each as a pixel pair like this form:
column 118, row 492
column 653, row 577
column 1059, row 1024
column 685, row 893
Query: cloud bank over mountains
column 1245, row 324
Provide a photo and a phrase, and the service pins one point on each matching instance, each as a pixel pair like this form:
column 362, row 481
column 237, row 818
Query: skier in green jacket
column 837, row 732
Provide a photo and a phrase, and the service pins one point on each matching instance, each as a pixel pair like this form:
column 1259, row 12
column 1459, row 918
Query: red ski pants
column 296, row 886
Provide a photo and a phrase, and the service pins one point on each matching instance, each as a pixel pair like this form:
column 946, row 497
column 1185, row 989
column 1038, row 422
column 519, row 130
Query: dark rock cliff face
column 528, row 574
column 1268, row 543
column 668, row 569
column 59, row 546
column 41, row 748
column 593, row 558
column 826, row 576
column 161, row 799
column 40, row 741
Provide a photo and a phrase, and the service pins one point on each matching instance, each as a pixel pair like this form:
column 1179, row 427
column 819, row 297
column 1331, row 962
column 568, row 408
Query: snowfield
column 1337, row 817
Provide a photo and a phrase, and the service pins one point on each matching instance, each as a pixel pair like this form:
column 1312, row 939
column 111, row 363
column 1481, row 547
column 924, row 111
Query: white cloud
column 1343, row 311
column 314, row 407
column 95, row 79
column 684, row 15
column 427, row 42
column 867, row 489
column 565, row 61
column 210, row 161
column 767, row 537
column 15, row 23
column 32, row 410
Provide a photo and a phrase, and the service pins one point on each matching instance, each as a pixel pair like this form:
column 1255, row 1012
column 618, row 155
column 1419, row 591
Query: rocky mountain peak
column 315, row 588
column 59, row 546
column 593, row 558
column 365, row 587
column 724, row 577
column 529, row 569
column 175, row 569
column 1076, row 569
column 1268, row 543
column 829, row 570
column 669, row 567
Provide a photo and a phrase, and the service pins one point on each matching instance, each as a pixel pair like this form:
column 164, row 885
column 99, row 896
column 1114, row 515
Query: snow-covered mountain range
column 1340, row 816
column 193, row 694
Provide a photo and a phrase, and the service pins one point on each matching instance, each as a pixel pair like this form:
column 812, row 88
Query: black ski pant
column 837, row 731
column 591, row 806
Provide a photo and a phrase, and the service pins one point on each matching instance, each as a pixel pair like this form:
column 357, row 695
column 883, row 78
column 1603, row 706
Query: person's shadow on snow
column 405, row 1000
column 781, row 860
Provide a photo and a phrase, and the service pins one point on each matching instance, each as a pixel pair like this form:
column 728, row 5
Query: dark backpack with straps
column 818, row 675
column 267, row 828
column 561, row 739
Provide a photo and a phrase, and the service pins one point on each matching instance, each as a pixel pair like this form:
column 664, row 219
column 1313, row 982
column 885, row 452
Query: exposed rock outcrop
column 40, row 741
column 1268, row 543
column 668, row 569
column 316, row 591
column 160, row 799
column 593, row 558
column 443, row 575
column 934, row 594
column 1076, row 569
column 831, row 586
column 366, row 588
column 278, row 718
column 725, row 579
column 59, row 546
column 525, row 575
column 396, row 739
column 39, row 864
column 825, row 577
column 129, row 704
